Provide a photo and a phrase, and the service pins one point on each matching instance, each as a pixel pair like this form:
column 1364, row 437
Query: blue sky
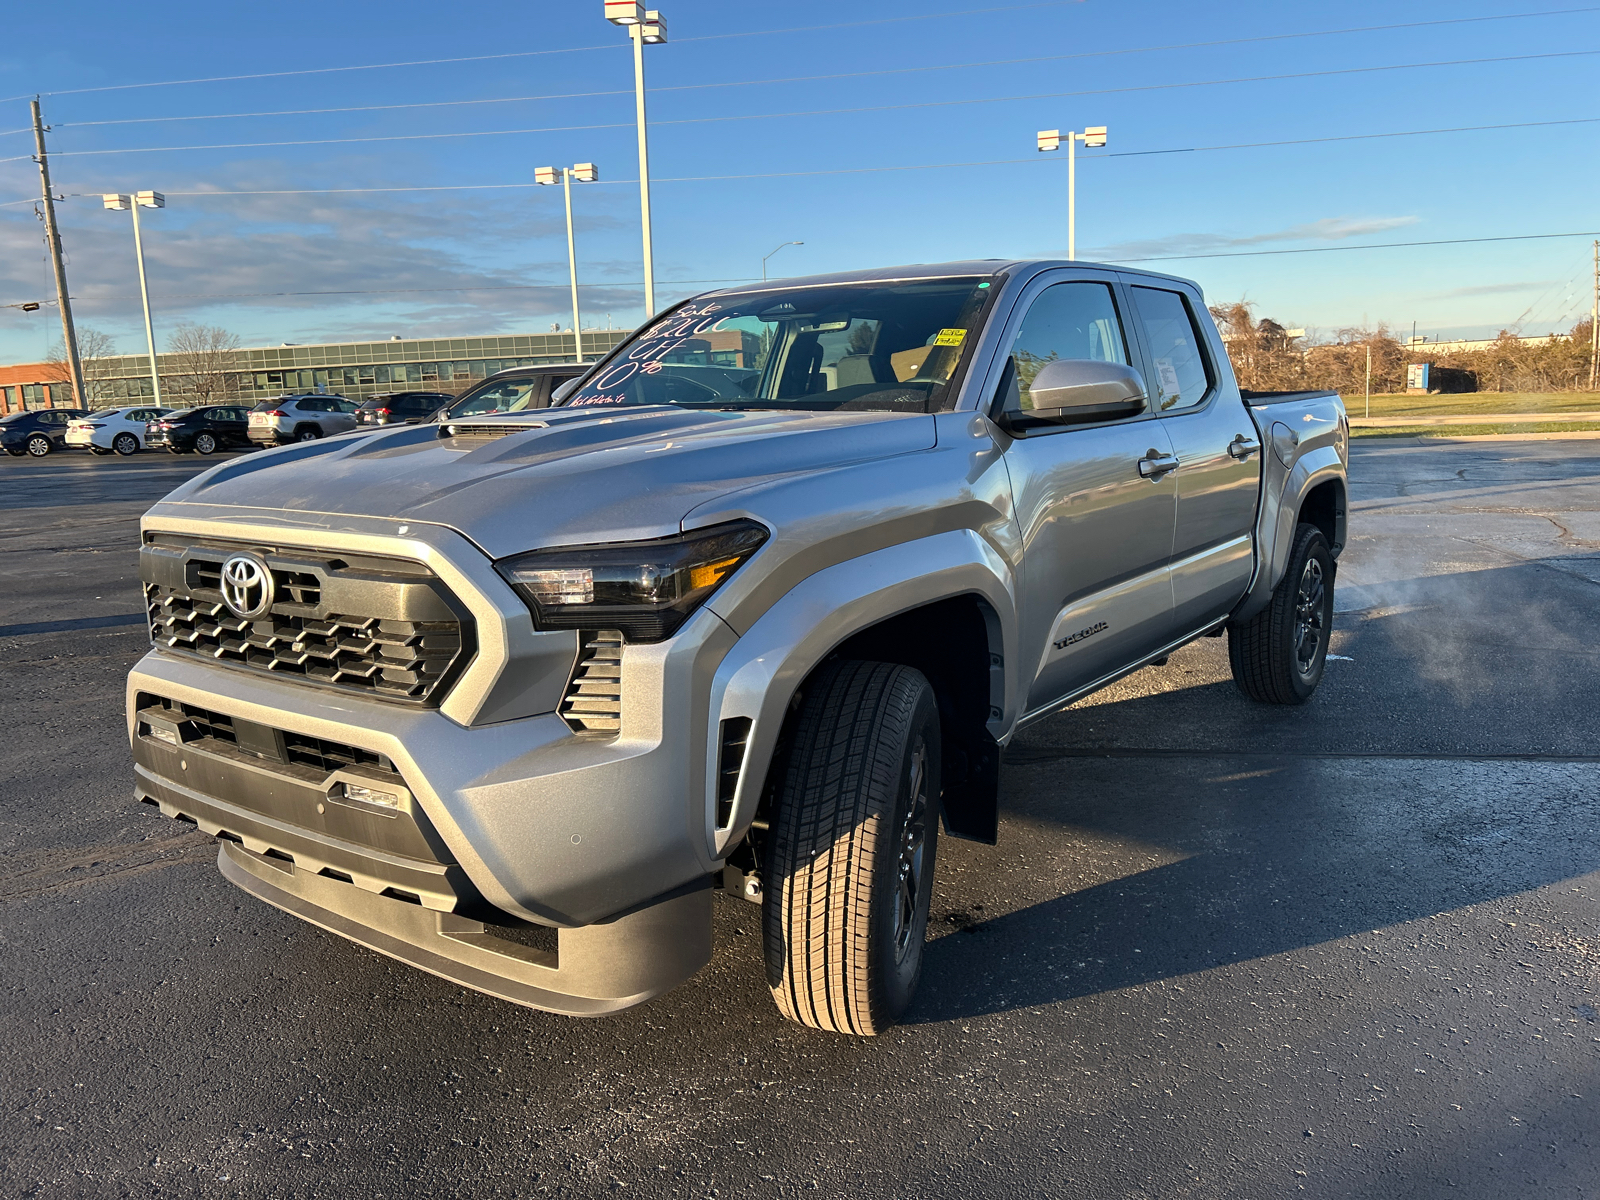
column 968, row 85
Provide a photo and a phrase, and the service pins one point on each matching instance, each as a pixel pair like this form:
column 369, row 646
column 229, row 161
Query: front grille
column 381, row 627
column 593, row 702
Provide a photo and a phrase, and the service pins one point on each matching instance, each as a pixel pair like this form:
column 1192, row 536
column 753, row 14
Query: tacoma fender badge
column 1097, row 627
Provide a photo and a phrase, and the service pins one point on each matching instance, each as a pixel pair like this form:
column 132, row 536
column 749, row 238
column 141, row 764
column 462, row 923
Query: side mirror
column 563, row 390
column 1073, row 391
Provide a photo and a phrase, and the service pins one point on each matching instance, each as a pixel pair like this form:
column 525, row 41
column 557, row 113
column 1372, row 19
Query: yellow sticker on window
column 950, row 337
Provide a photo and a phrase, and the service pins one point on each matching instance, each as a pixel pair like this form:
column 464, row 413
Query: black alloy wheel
column 125, row 444
column 1310, row 628
column 39, row 445
column 204, row 443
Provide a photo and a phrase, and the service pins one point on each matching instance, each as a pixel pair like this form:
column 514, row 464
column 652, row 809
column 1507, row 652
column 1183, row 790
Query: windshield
column 887, row 347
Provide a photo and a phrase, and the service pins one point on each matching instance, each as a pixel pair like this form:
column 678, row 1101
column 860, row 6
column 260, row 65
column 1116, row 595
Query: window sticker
column 1169, row 380
column 950, row 337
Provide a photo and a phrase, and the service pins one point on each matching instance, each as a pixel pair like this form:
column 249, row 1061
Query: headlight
column 645, row 589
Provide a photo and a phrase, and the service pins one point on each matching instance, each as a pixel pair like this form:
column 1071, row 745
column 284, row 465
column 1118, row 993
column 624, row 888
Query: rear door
column 1219, row 470
column 1094, row 503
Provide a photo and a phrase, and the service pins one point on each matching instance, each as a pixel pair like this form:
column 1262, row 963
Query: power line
column 1517, row 237
column 1003, row 62
column 428, row 62
column 1154, row 87
column 992, row 162
column 1523, row 237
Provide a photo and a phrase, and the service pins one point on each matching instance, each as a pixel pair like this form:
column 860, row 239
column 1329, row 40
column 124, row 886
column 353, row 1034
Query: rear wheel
column 38, row 445
column 205, row 444
column 850, row 851
column 307, row 433
column 1279, row 654
column 125, row 444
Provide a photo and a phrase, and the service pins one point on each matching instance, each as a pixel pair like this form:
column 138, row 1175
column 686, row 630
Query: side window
column 1066, row 321
column 1182, row 378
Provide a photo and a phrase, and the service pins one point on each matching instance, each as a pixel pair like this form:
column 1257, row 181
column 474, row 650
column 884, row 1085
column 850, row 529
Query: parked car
column 300, row 419
column 36, row 432
column 113, row 430
column 514, row 390
column 509, row 703
column 203, row 430
column 402, row 408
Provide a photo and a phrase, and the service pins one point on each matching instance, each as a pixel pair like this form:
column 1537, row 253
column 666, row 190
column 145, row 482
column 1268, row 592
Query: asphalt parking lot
column 1350, row 949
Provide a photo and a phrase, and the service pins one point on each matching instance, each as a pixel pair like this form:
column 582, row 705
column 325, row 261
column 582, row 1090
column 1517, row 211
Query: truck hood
column 522, row 481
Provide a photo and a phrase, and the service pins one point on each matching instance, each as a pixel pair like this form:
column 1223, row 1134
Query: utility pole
column 69, row 336
column 1369, row 377
column 1594, row 325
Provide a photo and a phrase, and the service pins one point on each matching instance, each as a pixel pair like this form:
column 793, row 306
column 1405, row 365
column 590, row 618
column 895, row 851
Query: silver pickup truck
column 754, row 608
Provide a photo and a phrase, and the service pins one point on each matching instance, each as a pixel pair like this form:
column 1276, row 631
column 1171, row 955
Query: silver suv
column 300, row 419
column 755, row 609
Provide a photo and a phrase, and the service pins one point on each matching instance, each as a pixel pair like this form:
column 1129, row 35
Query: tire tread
column 839, row 786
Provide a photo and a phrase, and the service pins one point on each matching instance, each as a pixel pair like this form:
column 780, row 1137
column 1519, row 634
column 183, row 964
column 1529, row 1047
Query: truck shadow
column 1171, row 832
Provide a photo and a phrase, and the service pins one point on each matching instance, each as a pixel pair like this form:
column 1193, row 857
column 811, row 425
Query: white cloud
column 1328, row 229
column 431, row 264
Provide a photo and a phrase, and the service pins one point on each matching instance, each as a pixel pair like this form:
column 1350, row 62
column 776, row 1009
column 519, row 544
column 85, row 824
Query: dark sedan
column 38, row 432
column 203, row 430
column 402, row 408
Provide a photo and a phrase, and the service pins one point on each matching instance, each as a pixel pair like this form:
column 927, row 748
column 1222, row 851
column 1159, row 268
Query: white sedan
column 119, row 430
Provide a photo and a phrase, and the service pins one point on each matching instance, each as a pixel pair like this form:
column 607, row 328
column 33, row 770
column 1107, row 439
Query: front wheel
column 1279, row 654
column 125, row 444
column 851, row 841
column 205, row 444
column 38, row 445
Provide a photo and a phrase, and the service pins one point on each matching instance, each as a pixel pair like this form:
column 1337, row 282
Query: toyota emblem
column 246, row 586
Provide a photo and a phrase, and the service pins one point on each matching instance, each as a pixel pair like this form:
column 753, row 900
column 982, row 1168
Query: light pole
column 583, row 173
column 764, row 260
column 1051, row 139
column 645, row 27
column 134, row 203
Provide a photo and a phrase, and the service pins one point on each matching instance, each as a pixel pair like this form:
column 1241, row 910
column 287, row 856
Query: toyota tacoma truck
column 755, row 607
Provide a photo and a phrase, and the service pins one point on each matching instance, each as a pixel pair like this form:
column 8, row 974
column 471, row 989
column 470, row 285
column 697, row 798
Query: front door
column 1096, row 526
column 1219, row 471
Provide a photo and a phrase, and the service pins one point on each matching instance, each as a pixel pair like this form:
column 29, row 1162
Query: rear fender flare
column 760, row 674
column 1283, row 495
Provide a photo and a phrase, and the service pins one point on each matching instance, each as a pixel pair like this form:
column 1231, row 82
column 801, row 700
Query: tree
column 203, row 364
column 95, row 352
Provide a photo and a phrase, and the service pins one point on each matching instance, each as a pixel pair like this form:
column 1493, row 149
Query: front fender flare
column 759, row 676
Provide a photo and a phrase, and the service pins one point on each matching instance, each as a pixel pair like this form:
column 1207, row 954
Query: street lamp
column 645, row 27
column 1051, row 139
column 134, row 203
column 583, row 173
column 764, row 260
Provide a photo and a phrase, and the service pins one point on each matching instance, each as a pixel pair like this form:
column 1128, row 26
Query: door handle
column 1242, row 447
column 1155, row 464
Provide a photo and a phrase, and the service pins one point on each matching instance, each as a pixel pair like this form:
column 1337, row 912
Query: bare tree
column 95, row 352
column 203, row 364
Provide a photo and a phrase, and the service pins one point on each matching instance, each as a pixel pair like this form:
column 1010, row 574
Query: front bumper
column 508, row 822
